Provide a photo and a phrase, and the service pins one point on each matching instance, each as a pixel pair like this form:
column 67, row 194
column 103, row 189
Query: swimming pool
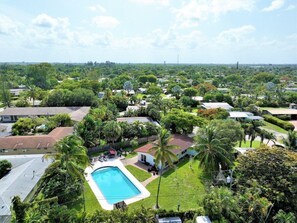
column 114, row 185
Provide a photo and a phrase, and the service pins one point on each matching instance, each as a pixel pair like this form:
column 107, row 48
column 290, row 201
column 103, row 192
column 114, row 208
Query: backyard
column 139, row 174
column 183, row 186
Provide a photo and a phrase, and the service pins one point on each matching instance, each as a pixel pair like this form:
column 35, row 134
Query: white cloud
column 193, row 12
column 106, row 22
column 46, row 21
column 97, row 7
column 8, row 26
column 290, row 7
column 275, row 4
column 153, row 2
column 235, row 35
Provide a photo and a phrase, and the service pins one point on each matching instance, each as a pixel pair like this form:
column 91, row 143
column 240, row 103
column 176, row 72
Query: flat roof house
column 183, row 143
column 282, row 111
column 248, row 116
column 212, row 105
column 25, row 173
column 13, row 114
column 35, row 144
column 131, row 120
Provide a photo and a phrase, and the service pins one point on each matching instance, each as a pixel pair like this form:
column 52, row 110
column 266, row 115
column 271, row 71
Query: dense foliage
column 5, row 167
column 279, row 184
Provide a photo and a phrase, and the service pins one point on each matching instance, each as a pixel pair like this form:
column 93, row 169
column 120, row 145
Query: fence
column 119, row 145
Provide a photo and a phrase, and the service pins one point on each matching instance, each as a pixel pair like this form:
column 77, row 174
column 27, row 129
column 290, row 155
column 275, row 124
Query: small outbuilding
column 203, row 219
column 169, row 220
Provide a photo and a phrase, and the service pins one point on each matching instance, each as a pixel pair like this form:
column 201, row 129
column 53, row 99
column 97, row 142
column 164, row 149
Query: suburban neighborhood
column 148, row 111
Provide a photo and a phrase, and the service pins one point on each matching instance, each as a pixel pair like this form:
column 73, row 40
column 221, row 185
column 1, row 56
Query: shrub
column 5, row 167
column 276, row 121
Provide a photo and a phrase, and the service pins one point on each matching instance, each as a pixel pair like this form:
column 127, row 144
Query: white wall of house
column 148, row 158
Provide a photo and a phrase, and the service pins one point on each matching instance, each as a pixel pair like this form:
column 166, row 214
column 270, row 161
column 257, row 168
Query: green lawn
column 92, row 203
column 256, row 144
column 138, row 173
column 273, row 127
column 184, row 186
column 131, row 155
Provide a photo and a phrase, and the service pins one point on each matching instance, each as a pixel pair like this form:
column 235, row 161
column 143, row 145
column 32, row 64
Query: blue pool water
column 114, row 184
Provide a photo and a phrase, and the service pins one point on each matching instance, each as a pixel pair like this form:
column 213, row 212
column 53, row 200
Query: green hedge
column 283, row 124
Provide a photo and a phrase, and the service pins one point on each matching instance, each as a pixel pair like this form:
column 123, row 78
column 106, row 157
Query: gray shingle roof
column 20, row 180
column 76, row 113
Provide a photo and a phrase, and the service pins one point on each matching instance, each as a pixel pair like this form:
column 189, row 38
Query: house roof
column 35, row 141
column 182, row 141
column 237, row 114
column 222, row 105
column 76, row 113
column 134, row 119
column 282, row 111
column 20, row 181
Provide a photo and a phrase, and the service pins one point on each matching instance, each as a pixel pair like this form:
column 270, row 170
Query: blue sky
column 149, row 31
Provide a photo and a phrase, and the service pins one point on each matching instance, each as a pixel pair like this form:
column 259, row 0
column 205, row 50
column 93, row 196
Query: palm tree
column 291, row 141
column 253, row 130
column 71, row 154
column 264, row 134
column 112, row 131
column 32, row 93
column 163, row 155
column 211, row 152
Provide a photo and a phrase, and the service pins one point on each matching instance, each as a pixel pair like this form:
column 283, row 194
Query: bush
column 5, row 167
column 276, row 121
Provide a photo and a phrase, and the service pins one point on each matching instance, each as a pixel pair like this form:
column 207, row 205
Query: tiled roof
column 36, row 141
column 182, row 141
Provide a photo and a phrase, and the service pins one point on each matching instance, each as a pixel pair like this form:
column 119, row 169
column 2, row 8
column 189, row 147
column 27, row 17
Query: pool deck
column 144, row 193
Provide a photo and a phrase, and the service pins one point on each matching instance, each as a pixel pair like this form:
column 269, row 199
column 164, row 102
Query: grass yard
column 138, row 173
column 184, row 186
column 273, row 127
column 256, row 144
column 131, row 155
column 92, row 203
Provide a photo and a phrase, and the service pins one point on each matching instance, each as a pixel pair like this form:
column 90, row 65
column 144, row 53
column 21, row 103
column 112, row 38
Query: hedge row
column 276, row 121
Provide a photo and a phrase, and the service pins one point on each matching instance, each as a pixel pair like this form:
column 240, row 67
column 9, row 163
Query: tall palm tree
column 211, row 152
column 163, row 155
column 291, row 141
column 71, row 154
column 253, row 130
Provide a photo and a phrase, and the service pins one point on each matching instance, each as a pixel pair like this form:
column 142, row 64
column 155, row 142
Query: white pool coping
column 144, row 193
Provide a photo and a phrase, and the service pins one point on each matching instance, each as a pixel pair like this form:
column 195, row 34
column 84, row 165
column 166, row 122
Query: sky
column 149, row 31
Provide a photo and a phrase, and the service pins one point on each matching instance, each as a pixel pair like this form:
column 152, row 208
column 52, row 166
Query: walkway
column 134, row 162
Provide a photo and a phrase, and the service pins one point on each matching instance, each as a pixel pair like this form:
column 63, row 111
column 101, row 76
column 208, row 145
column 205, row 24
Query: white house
column 212, row 105
column 248, row 116
column 184, row 143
